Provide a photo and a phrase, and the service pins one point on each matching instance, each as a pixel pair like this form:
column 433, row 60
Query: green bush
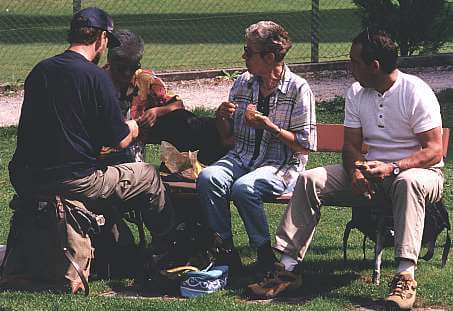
column 416, row 25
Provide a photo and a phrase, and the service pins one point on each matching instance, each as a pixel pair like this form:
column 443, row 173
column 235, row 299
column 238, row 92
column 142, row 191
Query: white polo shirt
column 390, row 121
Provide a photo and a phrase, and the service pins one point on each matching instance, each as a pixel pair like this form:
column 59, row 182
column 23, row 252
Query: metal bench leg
column 141, row 230
column 364, row 247
column 346, row 233
column 378, row 248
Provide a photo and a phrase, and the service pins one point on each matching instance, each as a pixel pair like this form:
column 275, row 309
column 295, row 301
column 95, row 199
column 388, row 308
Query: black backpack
column 366, row 221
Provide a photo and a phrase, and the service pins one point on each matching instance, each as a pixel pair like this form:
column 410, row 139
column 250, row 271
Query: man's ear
column 375, row 65
column 98, row 42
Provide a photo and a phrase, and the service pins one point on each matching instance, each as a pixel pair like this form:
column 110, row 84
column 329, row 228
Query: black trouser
column 188, row 132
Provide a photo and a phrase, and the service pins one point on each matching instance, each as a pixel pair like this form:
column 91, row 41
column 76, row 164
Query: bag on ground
column 49, row 247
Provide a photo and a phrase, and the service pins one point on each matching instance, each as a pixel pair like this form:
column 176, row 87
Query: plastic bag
column 177, row 161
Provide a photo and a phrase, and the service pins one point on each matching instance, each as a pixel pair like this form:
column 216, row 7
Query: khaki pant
column 330, row 185
column 129, row 185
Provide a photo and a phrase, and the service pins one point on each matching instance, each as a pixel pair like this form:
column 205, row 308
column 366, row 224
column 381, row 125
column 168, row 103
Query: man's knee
column 209, row 177
column 241, row 191
column 308, row 179
column 408, row 183
column 140, row 177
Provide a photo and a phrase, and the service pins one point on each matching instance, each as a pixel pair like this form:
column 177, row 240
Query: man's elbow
column 299, row 148
column 438, row 155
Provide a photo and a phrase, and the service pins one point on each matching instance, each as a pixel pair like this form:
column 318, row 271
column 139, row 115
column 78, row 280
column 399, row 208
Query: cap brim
column 113, row 40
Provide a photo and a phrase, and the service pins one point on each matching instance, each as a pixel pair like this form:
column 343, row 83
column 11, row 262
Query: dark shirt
column 70, row 110
column 263, row 107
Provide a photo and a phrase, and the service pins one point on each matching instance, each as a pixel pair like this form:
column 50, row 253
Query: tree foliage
column 416, row 25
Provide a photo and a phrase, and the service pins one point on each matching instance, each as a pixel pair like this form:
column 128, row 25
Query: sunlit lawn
column 329, row 284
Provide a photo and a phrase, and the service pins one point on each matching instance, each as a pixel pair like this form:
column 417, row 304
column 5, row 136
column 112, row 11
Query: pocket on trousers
column 126, row 181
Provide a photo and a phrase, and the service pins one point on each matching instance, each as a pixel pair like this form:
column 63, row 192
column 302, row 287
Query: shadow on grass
column 320, row 278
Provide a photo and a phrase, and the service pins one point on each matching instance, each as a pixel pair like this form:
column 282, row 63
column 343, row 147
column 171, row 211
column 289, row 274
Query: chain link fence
column 179, row 34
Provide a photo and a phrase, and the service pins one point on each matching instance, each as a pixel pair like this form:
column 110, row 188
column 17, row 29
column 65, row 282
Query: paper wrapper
column 177, row 161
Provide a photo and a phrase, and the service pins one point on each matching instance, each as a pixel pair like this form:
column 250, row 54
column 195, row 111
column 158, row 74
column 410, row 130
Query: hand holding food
column 226, row 110
column 251, row 114
column 361, row 165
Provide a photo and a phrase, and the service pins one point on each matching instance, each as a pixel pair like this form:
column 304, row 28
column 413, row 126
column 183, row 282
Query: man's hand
column 149, row 117
column 256, row 119
column 378, row 170
column 361, row 185
column 225, row 110
column 258, row 122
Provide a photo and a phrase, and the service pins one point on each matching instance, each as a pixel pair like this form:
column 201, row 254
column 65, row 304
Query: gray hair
column 132, row 47
column 269, row 37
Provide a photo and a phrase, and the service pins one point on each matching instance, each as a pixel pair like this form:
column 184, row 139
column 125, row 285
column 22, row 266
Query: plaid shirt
column 291, row 107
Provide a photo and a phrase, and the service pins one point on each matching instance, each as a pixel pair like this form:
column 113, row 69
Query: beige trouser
column 134, row 185
column 330, row 185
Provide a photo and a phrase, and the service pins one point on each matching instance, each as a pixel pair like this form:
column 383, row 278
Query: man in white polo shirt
column 398, row 116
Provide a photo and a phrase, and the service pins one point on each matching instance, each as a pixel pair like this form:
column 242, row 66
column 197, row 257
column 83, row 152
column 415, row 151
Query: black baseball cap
column 96, row 18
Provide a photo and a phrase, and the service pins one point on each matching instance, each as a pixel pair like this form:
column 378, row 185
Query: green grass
column 329, row 284
column 179, row 35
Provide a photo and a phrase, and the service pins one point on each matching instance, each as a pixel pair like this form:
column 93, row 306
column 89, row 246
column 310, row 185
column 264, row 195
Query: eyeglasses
column 248, row 52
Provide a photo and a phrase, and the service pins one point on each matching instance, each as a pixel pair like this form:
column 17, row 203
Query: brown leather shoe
column 275, row 283
column 402, row 297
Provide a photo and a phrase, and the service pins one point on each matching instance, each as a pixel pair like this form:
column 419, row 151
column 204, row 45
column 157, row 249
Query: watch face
column 396, row 170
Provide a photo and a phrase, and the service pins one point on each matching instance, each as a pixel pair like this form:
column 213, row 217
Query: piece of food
column 251, row 113
column 361, row 165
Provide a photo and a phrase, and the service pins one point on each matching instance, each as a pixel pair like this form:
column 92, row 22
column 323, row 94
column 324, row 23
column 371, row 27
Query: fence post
column 314, row 31
column 76, row 6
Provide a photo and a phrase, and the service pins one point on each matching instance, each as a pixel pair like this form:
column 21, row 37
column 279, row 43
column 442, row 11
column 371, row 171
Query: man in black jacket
column 70, row 111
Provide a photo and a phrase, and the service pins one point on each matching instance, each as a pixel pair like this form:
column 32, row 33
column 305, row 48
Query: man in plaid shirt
column 270, row 116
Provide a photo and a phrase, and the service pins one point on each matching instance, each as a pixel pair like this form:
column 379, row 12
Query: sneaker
column 275, row 283
column 403, row 288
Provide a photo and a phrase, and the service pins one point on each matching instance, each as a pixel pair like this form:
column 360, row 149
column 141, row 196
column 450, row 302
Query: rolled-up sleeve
column 351, row 115
column 303, row 118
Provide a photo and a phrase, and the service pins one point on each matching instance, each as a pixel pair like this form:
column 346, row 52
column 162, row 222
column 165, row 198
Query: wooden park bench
column 330, row 139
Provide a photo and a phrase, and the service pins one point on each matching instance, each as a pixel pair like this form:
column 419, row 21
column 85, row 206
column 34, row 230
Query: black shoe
column 265, row 260
column 230, row 257
column 226, row 254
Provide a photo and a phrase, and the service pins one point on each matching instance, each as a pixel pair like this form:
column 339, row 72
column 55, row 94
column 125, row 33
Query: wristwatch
column 396, row 169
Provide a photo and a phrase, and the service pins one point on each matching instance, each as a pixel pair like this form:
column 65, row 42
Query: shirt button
column 381, row 105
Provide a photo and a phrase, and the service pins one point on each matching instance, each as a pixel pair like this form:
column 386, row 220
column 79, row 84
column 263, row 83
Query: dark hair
column 84, row 35
column 132, row 47
column 269, row 37
column 377, row 45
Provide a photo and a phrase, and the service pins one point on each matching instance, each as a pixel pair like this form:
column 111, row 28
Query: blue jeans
column 228, row 179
